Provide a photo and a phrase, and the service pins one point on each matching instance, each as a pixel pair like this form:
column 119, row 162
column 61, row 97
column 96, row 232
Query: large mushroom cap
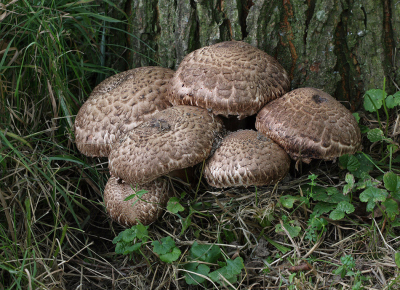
column 246, row 158
column 175, row 138
column 230, row 78
column 119, row 104
column 310, row 124
column 145, row 209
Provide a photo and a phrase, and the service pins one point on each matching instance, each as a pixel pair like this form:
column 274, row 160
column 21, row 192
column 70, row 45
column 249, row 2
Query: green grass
column 54, row 233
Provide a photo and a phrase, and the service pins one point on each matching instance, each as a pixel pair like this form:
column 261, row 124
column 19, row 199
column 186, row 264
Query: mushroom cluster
column 151, row 121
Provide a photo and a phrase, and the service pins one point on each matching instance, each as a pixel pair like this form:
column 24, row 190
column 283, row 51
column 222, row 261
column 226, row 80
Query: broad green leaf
column 138, row 194
column 341, row 209
column 346, row 207
column 205, row 253
column 163, row 247
column 391, row 180
column 193, row 279
column 330, row 198
column 393, row 100
column 171, row 256
column 391, row 208
column 323, row 207
column 120, row 248
column 372, row 195
column 349, row 162
column 336, row 215
column 350, row 183
column 365, row 166
column 129, row 234
column 174, row 206
column 397, row 259
column 375, row 135
column 131, row 249
column 288, row 200
column 229, row 272
column 293, row 231
column 142, row 232
column 373, row 99
column 357, row 117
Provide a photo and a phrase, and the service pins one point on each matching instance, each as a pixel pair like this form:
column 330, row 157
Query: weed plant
column 331, row 226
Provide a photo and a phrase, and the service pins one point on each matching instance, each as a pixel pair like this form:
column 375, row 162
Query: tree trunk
column 344, row 47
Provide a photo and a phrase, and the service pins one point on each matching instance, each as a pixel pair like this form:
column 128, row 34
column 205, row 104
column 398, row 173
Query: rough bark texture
column 344, row 47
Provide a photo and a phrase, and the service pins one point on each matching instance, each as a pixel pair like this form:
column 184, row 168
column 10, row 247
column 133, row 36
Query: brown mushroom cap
column 310, row 124
column 246, row 158
column 119, row 104
column 175, row 138
column 145, row 210
column 229, row 78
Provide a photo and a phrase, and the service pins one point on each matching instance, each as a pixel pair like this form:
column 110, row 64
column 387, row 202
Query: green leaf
column 391, row 181
column 350, row 183
column 288, row 200
column 129, row 234
column 330, row 195
column 397, row 259
column 293, row 231
column 171, row 256
column 349, row 162
column 341, row 209
column 357, row 117
column 375, row 135
column 323, row 207
column 205, row 253
column 373, row 99
column 337, row 215
column 346, row 207
column 141, row 231
column 166, row 245
column 131, row 249
column 174, row 206
column 229, row 272
column 372, row 195
column 391, row 208
column 193, row 279
column 365, row 165
column 393, row 100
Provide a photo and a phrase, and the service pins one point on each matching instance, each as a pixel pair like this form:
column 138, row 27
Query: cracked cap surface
column 246, row 158
column 145, row 210
column 229, row 78
column 310, row 124
column 176, row 138
column 117, row 105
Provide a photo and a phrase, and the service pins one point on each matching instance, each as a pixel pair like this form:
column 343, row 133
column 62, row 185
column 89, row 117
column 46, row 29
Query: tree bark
column 344, row 47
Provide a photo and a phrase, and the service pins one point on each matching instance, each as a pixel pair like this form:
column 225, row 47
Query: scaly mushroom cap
column 246, row 158
column 175, row 138
column 145, row 210
column 229, row 78
column 119, row 104
column 310, row 124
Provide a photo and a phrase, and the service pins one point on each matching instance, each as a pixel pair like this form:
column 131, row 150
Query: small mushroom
column 144, row 209
column 119, row 104
column 310, row 124
column 228, row 78
column 246, row 158
column 176, row 138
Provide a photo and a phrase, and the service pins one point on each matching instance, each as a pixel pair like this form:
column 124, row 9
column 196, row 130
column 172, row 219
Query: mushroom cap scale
column 246, row 158
column 310, row 124
column 145, row 210
column 229, row 78
column 118, row 105
column 176, row 138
